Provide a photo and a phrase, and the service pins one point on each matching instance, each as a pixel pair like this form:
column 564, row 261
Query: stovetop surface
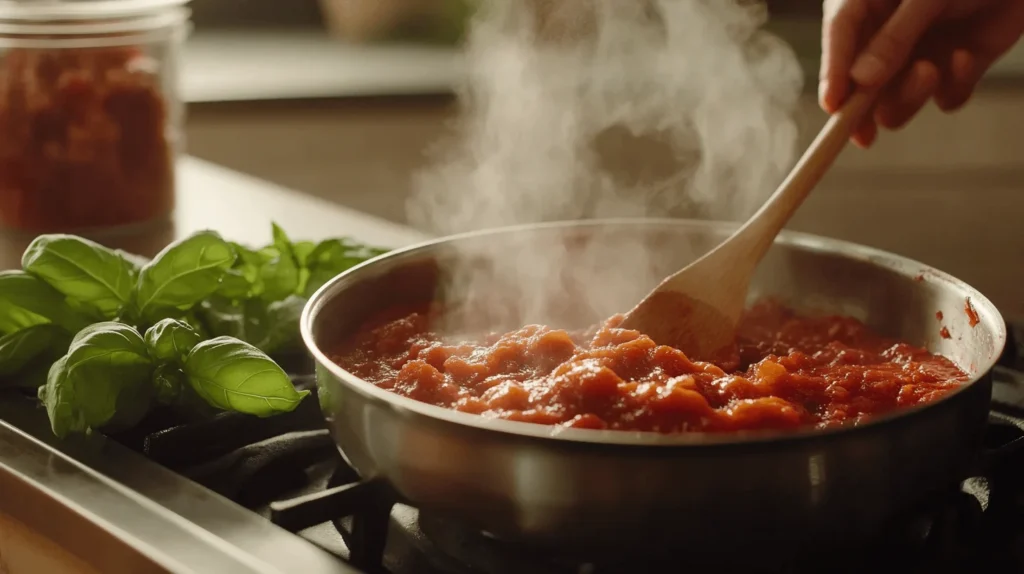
column 286, row 469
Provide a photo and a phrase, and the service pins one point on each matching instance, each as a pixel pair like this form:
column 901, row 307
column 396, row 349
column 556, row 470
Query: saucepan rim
column 987, row 312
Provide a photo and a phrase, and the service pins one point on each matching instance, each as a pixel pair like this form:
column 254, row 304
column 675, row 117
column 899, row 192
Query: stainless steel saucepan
column 583, row 491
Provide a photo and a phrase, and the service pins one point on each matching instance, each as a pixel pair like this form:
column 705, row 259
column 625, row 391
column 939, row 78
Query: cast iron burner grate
column 979, row 528
column 288, row 469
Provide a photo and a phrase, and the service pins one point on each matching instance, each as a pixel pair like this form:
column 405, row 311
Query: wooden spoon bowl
column 698, row 308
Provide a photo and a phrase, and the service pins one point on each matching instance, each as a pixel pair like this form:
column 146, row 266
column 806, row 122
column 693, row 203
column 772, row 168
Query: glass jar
column 90, row 117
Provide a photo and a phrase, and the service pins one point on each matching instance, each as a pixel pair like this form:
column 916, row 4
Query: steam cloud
column 612, row 108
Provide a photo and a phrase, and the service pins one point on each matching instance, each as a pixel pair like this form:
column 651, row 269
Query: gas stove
column 239, row 494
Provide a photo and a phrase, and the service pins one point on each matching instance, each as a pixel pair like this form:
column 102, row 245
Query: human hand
column 913, row 50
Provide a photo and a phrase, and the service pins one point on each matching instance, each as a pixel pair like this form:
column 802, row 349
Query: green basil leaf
column 168, row 383
column 82, row 270
column 14, row 318
column 234, row 285
column 192, row 320
column 270, row 327
column 170, row 340
column 235, row 376
column 171, row 389
column 326, row 251
column 303, row 280
column 26, row 300
column 361, row 250
column 280, row 275
column 136, row 262
column 302, row 250
column 182, row 275
column 224, row 317
column 243, row 281
column 32, row 345
column 250, row 258
column 324, row 396
column 332, row 257
column 103, row 381
column 281, row 332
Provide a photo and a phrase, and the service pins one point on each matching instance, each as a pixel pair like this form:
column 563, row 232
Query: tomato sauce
column 793, row 372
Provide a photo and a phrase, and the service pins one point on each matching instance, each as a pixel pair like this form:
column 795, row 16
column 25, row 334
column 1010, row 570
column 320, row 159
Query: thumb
column 888, row 51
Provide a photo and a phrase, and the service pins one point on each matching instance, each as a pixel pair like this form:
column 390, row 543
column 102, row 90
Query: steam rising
column 610, row 108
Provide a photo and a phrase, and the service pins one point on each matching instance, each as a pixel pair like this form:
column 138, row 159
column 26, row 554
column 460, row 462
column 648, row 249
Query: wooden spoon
column 697, row 309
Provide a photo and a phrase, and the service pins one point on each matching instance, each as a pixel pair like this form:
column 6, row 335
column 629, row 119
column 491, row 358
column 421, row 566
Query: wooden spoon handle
column 833, row 137
column 808, row 171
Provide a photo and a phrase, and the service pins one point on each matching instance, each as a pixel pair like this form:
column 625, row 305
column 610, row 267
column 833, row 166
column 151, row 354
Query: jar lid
column 50, row 10
column 84, row 23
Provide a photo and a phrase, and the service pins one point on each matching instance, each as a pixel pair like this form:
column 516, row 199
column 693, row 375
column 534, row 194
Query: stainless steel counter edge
column 178, row 524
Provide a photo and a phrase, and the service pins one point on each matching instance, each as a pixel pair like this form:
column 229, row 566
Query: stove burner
column 288, row 468
column 928, row 544
column 476, row 551
column 367, row 505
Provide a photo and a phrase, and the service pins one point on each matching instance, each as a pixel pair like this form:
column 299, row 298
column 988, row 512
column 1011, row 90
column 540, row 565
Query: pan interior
column 573, row 275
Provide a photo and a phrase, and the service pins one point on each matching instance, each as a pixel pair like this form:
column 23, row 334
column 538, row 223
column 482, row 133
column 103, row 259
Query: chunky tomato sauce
column 793, row 372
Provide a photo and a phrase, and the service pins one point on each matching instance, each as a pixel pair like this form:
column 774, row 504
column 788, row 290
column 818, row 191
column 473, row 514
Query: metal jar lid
column 70, row 10
column 73, row 21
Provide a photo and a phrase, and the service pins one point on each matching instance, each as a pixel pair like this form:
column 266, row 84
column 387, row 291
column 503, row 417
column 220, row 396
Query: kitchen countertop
column 108, row 507
column 270, row 65
column 85, row 504
column 241, row 208
column 245, row 65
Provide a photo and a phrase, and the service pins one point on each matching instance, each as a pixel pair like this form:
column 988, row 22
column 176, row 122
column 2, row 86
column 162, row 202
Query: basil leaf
column 170, row 340
column 182, row 275
column 232, row 375
column 251, row 259
column 270, row 327
column 171, row 389
column 168, row 383
column 332, row 257
column 135, row 262
column 82, row 270
column 243, row 281
column 103, row 381
column 249, row 262
column 324, row 397
column 302, row 250
column 192, row 320
column 37, row 343
column 281, row 332
column 280, row 275
column 234, row 285
column 26, row 300
column 224, row 317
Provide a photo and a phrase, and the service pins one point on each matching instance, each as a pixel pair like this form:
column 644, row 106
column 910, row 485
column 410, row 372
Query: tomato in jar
column 84, row 140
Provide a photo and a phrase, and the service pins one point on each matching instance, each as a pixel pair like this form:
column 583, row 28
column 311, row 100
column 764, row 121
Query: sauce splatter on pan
column 972, row 315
